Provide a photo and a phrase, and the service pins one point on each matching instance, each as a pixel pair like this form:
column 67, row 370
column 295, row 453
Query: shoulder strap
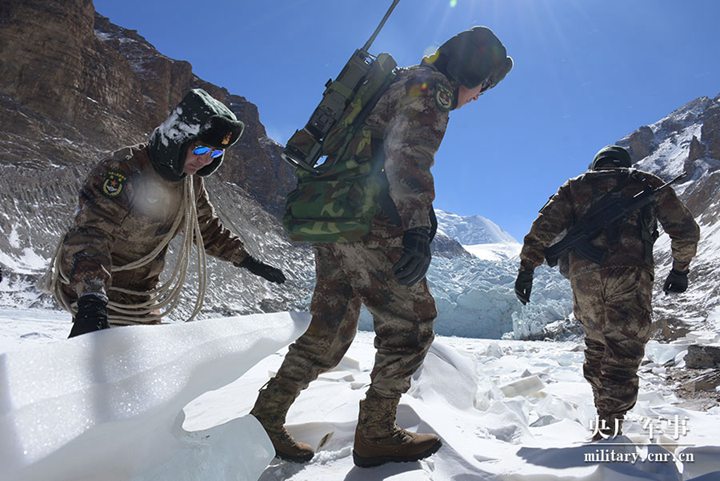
column 359, row 120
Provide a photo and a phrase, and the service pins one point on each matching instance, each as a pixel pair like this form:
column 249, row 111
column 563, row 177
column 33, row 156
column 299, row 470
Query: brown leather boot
column 270, row 409
column 379, row 440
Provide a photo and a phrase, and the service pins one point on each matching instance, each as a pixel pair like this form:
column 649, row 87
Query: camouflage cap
column 473, row 57
column 610, row 157
column 198, row 116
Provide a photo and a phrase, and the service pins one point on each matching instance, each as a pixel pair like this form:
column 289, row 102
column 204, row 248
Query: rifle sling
column 597, row 254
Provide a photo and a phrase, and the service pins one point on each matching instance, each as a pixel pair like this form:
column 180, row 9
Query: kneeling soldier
column 107, row 268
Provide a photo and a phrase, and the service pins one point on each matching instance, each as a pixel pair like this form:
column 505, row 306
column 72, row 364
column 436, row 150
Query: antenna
column 366, row 47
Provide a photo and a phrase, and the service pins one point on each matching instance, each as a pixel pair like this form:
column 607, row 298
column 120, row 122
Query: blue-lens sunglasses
column 202, row 150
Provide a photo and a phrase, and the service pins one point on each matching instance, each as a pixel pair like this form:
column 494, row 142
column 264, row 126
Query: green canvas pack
column 338, row 202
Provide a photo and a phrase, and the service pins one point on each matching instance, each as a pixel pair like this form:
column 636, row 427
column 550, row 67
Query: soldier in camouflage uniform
column 386, row 270
column 129, row 203
column 612, row 300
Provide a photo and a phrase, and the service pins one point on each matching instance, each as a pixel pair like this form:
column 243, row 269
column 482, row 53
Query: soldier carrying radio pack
column 368, row 210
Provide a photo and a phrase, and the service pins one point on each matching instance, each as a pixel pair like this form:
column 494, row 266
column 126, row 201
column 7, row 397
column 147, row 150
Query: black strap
column 611, row 232
column 646, row 224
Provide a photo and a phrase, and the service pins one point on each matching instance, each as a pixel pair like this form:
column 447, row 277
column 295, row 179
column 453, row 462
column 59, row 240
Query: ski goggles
column 202, row 150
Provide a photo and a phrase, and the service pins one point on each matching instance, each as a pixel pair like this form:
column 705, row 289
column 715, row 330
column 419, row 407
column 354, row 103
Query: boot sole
column 378, row 460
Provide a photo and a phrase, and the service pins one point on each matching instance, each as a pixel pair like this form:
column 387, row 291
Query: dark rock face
column 641, row 143
column 702, row 357
column 445, row 246
column 67, row 75
column 42, row 64
column 697, row 151
column 710, row 134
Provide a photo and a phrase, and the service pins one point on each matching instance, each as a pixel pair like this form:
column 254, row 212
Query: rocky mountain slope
column 687, row 140
column 73, row 86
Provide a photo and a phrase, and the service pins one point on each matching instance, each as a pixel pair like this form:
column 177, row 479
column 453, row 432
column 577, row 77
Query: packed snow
column 109, row 406
column 471, row 230
column 495, row 251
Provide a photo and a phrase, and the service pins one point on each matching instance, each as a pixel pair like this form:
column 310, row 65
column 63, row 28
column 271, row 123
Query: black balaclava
column 197, row 117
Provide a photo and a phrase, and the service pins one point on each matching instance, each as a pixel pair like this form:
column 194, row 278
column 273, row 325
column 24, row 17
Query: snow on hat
column 198, row 116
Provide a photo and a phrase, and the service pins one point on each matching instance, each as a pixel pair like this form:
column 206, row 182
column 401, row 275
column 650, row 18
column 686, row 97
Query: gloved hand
column 523, row 285
column 415, row 260
column 677, row 281
column 91, row 315
column 261, row 269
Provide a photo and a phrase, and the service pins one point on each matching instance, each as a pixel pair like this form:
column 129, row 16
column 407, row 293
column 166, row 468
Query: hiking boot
column 379, row 440
column 270, row 410
column 287, row 448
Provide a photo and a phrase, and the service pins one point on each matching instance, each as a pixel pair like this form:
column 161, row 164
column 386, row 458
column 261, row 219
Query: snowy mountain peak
column 470, row 230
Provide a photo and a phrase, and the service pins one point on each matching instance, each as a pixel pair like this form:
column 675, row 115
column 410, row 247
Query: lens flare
column 453, row 3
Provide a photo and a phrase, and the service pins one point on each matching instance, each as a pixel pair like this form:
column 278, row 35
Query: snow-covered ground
column 495, row 252
column 108, row 406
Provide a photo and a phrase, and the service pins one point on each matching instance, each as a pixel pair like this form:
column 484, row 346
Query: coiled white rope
column 166, row 296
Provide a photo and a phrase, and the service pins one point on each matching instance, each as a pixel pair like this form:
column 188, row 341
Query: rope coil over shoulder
column 167, row 296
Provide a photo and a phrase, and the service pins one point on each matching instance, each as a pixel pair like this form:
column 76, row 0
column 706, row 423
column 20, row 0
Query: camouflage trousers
column 614, row 307
column 349, row 275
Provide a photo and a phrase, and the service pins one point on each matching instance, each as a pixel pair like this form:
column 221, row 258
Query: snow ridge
column 469, row 230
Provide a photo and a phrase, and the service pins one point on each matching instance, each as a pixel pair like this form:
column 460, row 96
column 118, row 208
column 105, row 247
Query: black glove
column 676, row 281
column 91, row 315
column 415, row 260
column 523, row 286
column 261, row 269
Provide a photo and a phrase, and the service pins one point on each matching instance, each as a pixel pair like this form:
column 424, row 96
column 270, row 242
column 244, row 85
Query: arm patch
column 113, row 184
column 444, row 98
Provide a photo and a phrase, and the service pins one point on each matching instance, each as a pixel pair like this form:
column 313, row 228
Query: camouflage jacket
column 409, row 122
column 625, row 245
column 125, row 209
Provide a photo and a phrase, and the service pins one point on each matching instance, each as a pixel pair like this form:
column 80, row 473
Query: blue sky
column 587, row 73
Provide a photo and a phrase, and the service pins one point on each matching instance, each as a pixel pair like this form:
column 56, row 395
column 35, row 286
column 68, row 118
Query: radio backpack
column 336, row 200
